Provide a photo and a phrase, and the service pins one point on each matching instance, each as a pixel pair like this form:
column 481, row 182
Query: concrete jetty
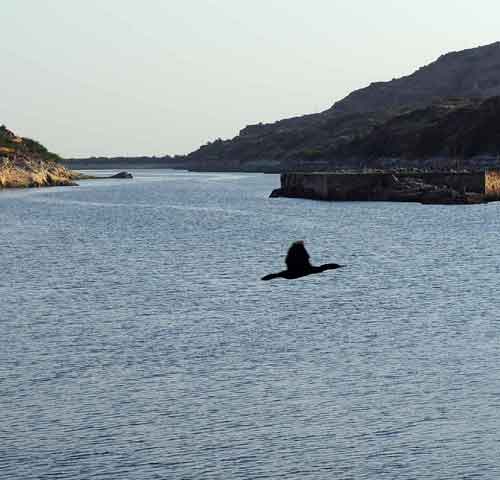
column 423, row 187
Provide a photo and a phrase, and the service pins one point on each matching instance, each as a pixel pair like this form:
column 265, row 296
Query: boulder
column 122, row 175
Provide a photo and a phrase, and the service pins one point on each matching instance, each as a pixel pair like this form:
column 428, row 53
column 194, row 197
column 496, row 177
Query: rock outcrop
column 26, row 163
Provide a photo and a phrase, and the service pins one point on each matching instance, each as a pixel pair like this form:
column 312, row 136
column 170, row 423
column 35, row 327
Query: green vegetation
column 11, row 144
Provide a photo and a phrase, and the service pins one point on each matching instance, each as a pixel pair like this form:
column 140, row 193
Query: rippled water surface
column 137, row 341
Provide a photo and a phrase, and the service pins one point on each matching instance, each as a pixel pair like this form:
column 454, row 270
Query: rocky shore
column 19, row 173
column 26, row 163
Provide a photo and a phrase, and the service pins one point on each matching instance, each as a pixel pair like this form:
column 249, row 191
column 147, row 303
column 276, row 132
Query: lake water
column 137, row 341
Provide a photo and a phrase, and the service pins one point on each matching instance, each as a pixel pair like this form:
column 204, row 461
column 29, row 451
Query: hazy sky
column 112, row 77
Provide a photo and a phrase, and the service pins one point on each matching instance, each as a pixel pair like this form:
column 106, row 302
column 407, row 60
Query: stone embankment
column 428, row 187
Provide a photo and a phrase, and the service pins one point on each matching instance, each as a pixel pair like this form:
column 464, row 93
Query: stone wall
column 334, row 186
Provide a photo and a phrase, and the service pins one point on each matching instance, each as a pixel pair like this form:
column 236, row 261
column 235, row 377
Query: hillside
column 452, row 133
column 313, row 141
column 27, row 163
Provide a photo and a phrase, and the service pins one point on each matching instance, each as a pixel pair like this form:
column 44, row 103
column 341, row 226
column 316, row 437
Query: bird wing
column 297, row 257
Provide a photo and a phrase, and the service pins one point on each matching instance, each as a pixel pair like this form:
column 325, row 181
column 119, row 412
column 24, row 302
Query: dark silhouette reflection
column 298, row 264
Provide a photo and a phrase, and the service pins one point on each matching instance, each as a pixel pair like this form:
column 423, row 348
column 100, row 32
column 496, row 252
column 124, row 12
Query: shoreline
column 41, row 176
column 12, row 176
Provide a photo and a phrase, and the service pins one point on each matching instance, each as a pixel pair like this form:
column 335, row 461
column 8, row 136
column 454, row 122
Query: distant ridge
column 92, row 163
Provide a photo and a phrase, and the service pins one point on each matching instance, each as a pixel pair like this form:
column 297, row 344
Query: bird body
column 298, row 264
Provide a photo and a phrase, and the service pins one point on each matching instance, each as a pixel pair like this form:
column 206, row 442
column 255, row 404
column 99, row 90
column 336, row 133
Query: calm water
column 137, row 341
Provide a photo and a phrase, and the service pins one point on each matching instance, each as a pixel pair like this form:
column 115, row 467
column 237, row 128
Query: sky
column 156, row 77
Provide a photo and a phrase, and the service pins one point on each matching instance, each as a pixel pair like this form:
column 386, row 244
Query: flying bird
column 298, row 264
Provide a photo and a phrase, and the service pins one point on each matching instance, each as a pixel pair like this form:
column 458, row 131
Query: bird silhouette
column 298, row 264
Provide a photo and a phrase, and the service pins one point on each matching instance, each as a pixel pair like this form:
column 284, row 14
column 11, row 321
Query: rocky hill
column 469, row 73
column 27, row 163
column 315, row 141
